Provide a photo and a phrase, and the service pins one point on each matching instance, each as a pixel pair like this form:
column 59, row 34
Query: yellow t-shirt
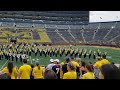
column 97, row 64
column 88, row 75
column 61, row 73
column 105, row 61
column 38, row 73
column 13, row 74
column 75, row 64
column 70, row 75
column 25, row 71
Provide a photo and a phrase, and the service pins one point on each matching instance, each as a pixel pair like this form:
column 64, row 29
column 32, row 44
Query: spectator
column 97, row 66
column 49, row 66
column 89, row 74
column 104, row 60
column 78, row 68
column 5, row 76
column 91, row 64
column 50, row 74
column 11, row 70
column 78, row 60
column 37, row 71
column 64, row 67
column 71, row 74
column 82, row 68
column 109, row 71
column 31, row 76
column 56, row 68
column 24, row 70
column 74, row 63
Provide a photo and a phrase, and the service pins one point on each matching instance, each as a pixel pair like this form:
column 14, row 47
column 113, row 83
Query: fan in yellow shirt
column 97, row 67
column 24, row 70
column 38, row 71
column 98, row 64
column 10, row 69
column 104, row 60
column 71, row 74
column 74, row 62
column 89, row 74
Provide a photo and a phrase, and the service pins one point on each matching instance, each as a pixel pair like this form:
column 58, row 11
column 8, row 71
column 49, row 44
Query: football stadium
column 59, row 44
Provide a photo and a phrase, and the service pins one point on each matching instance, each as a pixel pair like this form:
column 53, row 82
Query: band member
column 80, row 53
column 35, row 52
column 90, row 53
column 98, row 52
column 65, row 52
column 85, row 54
column 94, row 57
column 12, row 56
column 56, row 53
column 0, row 55
column 18, row 57
column 71, row 53
column 60, row 53
column 21, row 58
column 9, row 55
column 40, row 52
column 76, row 53
column 50, row 53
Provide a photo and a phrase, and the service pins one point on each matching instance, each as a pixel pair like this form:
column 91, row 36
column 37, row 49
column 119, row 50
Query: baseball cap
column 51, row 60
column 57, row 60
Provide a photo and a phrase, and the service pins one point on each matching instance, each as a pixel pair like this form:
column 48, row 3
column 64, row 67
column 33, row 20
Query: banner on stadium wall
column 104, row 16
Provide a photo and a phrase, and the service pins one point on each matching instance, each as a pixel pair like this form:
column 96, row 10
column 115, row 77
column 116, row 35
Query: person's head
column 67, row 60
column 56, row 61
column 10, row 67
column 72, row 58
column 103, row 56
column 78, row 60
column 32, row 66
column 5, row 76
column 24, row 61
column 37, row 64
column 112, row 63
column 88, row 68
column 109, row 71
column 83, row 64
column 50, row 74
column 98, row 58
column 70, row 67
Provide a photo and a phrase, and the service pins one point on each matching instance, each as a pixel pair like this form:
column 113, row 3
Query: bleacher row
column 100, row 33
column 59, row 17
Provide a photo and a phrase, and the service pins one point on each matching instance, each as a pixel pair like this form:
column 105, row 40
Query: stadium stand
column 71, row 27
column 36, row 29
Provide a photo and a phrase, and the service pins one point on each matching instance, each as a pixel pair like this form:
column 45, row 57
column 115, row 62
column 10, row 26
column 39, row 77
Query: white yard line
column 3, row 65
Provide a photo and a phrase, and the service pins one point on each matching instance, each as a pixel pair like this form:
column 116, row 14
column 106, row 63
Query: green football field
column 113, row 55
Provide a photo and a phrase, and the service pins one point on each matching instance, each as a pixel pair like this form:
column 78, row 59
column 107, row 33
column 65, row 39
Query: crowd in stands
column 71, row 68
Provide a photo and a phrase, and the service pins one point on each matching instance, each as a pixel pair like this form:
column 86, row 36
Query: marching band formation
column 17, row 52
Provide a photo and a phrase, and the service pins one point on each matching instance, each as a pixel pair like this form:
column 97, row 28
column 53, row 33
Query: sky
column 104, row 16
